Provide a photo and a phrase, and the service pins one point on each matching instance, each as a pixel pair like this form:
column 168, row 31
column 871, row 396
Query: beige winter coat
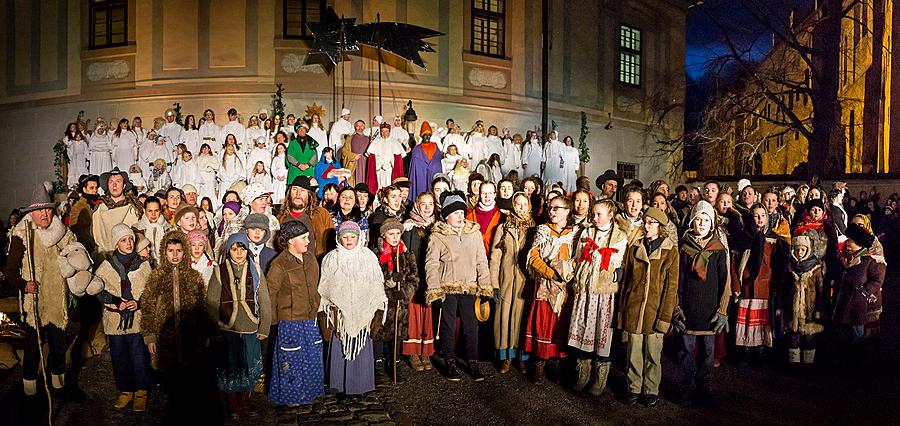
column 508, row 275
column 112, row 284
column 456, row 263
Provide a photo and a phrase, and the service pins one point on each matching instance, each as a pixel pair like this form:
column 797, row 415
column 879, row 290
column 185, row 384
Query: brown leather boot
column 140, row 401
column 505, row 365
column 123, row 400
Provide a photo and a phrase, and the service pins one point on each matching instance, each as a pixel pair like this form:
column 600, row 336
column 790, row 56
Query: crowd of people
column 290, row 260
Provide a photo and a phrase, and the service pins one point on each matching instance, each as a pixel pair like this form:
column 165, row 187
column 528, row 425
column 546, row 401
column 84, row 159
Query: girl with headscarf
column 238, row 300
column 550, row 263
column 508, row 275
column 419, row 345
column 401, row 280
column 755, row 286
column 229, row 224
column 325, row 172
column 806, row 317
column 599, row 253
column 352, row 292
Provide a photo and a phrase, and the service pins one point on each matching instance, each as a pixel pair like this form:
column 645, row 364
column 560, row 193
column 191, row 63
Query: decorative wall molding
column 114, row 70
column 293, row 63
column 481, row 77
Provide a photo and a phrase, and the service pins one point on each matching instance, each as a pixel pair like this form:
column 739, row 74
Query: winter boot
column 539, row 371
column 123, row 400
column 57, row 381
column 452, row 372
column 583, row 369
column 140, row 401
column 381, row 377
column 794, row 355
column 601, row 375
column 505, row 366
column 416, row 363
column 475, row 371
column 426, row 362
column 809, row 356
column 30, row 387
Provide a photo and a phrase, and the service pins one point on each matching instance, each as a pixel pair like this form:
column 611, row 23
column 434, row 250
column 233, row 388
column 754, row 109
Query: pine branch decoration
column 278, row 101
column 584, row 152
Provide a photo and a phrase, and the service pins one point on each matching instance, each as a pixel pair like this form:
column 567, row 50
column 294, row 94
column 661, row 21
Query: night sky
column 705, row 38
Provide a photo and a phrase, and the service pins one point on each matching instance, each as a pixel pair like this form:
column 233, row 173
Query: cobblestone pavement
column 775, row 393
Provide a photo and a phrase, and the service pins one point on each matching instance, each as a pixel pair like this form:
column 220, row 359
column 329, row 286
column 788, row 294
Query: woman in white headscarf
column 554, row 164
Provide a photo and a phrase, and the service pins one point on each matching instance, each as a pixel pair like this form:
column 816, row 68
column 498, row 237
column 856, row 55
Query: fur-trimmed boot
column 30, row 387
column 583, row 369
column 809, row 356
column 601, row 375
column 794, row 355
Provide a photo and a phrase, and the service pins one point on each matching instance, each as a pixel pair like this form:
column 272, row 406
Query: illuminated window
column 109, row 23
column 489, row 27
column 629, row 55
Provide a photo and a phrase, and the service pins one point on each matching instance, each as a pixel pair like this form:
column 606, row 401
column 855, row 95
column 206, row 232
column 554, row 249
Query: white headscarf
column 352, row 281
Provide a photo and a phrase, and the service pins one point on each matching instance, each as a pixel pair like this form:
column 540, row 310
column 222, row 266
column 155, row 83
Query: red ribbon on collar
column 605, row 253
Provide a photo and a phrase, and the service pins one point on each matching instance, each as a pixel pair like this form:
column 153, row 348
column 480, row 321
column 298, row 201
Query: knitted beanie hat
column 702, row 207
column 348, row 226
column 120, row 231
column 292, row 229
column 197, row 235
column 452, row 202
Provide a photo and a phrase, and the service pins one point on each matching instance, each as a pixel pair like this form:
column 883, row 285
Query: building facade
column 615, row 61
column 749, row 133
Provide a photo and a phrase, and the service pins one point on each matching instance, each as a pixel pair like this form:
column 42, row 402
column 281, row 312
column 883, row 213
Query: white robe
column 234, row 128
column 186, row 173
column 339, row 130
column 137, row 179
column 140, row 133
column 493, row 145
column 152, row 152
column 571, row 162
column 513, row 160
column 459, row 182
column 78, row 160
column 264, row 179
column 100, row 148
column 279, row 187
column 258, row 154
column 400, row 135
column 253, row 133
column 383, row 151
column 476, row 148
column 448, row 162
column 207, row 166
column 160, row 183
column 532, row 157
column 209, row 134
column 553, row 159
column 230, row 171
column 191, row 140
column 172, row 132
column 320, row 137
column 459, row 141
column 125, row 150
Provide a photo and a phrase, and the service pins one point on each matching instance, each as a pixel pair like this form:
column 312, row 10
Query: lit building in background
column 615, row 61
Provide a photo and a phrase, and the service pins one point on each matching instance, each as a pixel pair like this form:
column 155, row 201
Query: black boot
column 475, row 371
column 381, row 377
column 450, row 371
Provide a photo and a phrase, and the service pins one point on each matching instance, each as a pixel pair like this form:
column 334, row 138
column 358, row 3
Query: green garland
column 584, row 152
column 278, row 101
column 60, row 162
column 178, row 116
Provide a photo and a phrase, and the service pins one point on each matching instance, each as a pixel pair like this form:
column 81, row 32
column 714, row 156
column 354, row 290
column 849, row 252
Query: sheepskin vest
column 43, row 246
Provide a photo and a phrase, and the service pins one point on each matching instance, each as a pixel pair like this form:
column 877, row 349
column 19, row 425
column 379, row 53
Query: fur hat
column 292, row 229
column 184, row 209
column 802, row 241
column 391, row 224
column 120, row 231
column 743, row 183
column 860, row 235
column 658, row 214
column 452, row 201
column 79, row 282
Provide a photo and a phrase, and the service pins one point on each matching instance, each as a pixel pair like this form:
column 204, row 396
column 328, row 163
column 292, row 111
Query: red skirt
column 545, row 332
column 421, row 331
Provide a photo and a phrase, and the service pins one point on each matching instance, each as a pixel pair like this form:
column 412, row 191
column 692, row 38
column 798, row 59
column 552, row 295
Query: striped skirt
column 753, row 327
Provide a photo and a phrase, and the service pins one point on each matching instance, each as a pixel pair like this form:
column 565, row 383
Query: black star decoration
column 334, row 36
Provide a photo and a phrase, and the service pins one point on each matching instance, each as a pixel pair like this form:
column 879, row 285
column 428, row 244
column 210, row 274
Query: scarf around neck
column 700, row 252
column 389, row 253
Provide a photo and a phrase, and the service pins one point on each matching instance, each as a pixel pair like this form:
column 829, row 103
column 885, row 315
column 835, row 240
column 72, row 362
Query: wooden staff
column 29, row 235
column 396, row 332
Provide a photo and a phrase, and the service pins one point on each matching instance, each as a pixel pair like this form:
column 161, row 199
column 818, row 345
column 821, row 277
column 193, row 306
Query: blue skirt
column 297, row 370
column 351, row 377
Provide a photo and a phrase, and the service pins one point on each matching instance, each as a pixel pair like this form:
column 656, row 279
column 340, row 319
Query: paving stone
column 373, row 415
column 338, row 416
